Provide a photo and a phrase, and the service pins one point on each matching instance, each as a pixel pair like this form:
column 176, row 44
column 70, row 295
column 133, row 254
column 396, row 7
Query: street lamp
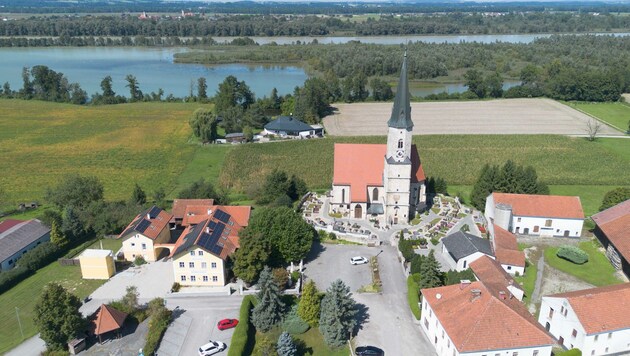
column 379, row 253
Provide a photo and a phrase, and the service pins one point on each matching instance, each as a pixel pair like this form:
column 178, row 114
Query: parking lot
column 195, row 323
column 386, row 321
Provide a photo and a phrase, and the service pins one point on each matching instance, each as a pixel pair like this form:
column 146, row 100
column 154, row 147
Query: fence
column 68, row 261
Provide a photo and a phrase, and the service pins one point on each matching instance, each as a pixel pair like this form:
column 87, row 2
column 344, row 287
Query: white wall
column 557, row 228
column 617, row 341
column 489, row 211
column 465, row 262
column 340, row 193
column 132, row 247
column 5, row 265
column 438, row 337
column 511, row 269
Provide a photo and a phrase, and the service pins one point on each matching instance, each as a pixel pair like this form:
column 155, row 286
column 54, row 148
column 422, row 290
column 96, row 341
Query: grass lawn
column 528, row 281
column 615, row 114
column 144, row 143
column 309, row 343
column 597, row 271
column 591, row 196
column 23, row 296
column 559, row 160
column 206, row 163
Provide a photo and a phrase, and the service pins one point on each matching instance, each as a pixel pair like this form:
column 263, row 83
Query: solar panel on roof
column 143, row 225
column 216, row 249
column 154, row 212
column 203, row 240
column 212, row 225
column 222, row 216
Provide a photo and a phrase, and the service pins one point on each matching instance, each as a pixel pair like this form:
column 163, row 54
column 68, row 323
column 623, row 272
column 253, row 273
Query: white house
column 539, row 215
column 289, row 126
column 145, row 234
column 384, row 182
column 475, row 319
column 596, row 321
column 506, row 250
column 462, row 248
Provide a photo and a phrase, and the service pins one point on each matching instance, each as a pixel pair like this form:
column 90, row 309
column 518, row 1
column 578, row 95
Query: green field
column 615, row 114
column 559, row 160
column 597, row 271
column 144, row 143
column 23, row 296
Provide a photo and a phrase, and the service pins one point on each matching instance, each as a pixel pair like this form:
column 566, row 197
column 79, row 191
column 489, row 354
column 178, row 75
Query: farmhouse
column 381, row 182
column 481, row 318
column 146, row 231
column 17, row 237
column 506, row 250
column 611, row 229
column 463, row 248
column 209, row 237
column 289, row 126
column 540, row 215
column 596, row 321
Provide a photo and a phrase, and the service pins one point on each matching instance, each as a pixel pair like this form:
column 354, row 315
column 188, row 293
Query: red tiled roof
column 9, row 223
column 157, row 224
column 614, row 222
column 601, row 309
column 486, row 322
column 108, row 319
column 240, row 214
column 506, row 248
column 552, row 206
column 490, row 272
column 179, row 205
column 194, row 214
column 361, row 165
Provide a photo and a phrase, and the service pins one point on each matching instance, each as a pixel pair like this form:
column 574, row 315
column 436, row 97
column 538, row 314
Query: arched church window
column 400, row 143
column 343, row 196
column 375, row 194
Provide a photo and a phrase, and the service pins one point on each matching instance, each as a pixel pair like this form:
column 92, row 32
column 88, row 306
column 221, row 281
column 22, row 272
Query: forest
column 68, row 27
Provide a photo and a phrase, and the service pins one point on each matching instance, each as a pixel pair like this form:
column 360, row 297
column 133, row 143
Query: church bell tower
column 397, row 172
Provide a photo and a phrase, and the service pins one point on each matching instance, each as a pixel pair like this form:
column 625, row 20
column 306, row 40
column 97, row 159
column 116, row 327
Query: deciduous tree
column 251, row 257
column 75, row 190
column 615, row 197
column 57, row 316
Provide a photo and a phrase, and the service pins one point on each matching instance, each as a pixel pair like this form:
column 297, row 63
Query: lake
column 152, row 67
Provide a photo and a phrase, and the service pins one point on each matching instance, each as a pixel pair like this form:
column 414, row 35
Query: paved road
column 386, row 319
column 195, row 323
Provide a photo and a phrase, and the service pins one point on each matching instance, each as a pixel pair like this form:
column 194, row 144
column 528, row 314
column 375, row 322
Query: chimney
column 464, row 283
column 148, row 216
column 209, row 211
column 207, row 230
column 475, row 294
column 502, row 295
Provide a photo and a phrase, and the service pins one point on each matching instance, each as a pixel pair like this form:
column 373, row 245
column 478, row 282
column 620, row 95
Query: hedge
column 157, row 326
column 30, row 262
column 572, row 254
column 412, row 296
column 572, row 352
column 243, row 339
column 12, row 277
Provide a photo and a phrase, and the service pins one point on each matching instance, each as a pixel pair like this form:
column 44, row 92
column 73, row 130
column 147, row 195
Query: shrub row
column 157, row 326
column 572, row 254
column 412, row 296
column 243, row 339
column 33, row 260
column 572, row 352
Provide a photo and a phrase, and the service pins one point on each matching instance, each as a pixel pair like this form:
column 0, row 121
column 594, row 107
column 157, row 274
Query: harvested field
column 507, row 116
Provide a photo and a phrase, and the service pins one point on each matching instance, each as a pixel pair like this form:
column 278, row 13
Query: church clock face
column 400, row 153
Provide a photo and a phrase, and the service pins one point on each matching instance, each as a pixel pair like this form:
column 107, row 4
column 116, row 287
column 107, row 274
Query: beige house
column 148, row 229
column 210, row 236
column 97, row 264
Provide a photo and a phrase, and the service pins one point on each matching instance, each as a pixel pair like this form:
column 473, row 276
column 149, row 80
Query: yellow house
column 201, row 251
column 97, row 264
column 148, row 229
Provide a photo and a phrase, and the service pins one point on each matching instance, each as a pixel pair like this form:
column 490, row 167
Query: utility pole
column 19, row 322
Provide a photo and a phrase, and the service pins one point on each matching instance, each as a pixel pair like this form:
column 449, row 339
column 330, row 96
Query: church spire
column 401, row 112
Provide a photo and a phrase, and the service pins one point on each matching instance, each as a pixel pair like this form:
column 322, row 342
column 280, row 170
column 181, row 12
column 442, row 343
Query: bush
column 293, row 324
column 160, row 318
column 572, row 254
column 412, row 296
column 12, row 277
column 332, row 236
column 243, row 339
column 40, row 256
column 572, row 352
column 281, row 277
column 435, row 241
column 322, row 235
column 295, row 275
column 175, row 287
column 139, row 261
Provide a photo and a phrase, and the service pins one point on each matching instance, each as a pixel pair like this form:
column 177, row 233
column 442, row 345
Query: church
column 381, row 182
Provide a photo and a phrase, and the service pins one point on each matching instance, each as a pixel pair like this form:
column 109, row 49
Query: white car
column 358, row 260
column 211, row 348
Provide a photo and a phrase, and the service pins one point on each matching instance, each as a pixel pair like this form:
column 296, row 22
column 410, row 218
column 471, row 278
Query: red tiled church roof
column 361, row 165
column 551, row 206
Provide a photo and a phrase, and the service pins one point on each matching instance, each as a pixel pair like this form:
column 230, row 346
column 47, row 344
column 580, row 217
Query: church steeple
column 401, row 112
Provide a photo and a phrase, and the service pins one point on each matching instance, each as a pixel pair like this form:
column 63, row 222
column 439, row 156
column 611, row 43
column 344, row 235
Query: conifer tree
column 430, row 274
column 57, row 316
column 268, row 312
column 286, row 346
column 56, row 236
column 507, row 182
column 309, row 305
column 138, row 197
column 336, row 319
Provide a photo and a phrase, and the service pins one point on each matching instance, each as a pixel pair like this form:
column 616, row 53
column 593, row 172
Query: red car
column 227, row 324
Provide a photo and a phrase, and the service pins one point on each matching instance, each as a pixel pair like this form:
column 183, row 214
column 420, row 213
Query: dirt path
column 504, row 116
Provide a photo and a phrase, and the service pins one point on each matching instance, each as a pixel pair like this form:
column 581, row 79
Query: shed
column 97, row 264
column 108, row 319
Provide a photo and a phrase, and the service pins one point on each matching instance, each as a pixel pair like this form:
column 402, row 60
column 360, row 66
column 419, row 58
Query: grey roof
column 461, row 244
column 401, row 112
column 235, row 134
column 375, row 208
column 287, row 124
column 19, row 236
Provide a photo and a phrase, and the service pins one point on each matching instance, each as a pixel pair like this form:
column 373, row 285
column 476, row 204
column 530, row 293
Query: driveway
column 195, row 323
column 386, row 319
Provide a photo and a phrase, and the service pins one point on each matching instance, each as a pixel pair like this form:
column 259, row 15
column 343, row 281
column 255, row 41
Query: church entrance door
column 395, row 219
column 358, row 212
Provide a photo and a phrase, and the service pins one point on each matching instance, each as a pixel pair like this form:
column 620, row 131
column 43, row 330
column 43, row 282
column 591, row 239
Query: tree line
column 300, row 25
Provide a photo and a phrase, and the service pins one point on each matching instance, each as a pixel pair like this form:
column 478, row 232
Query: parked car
column 211, row 348
column 368, row 351
column 227, row 324
column 358, row 260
